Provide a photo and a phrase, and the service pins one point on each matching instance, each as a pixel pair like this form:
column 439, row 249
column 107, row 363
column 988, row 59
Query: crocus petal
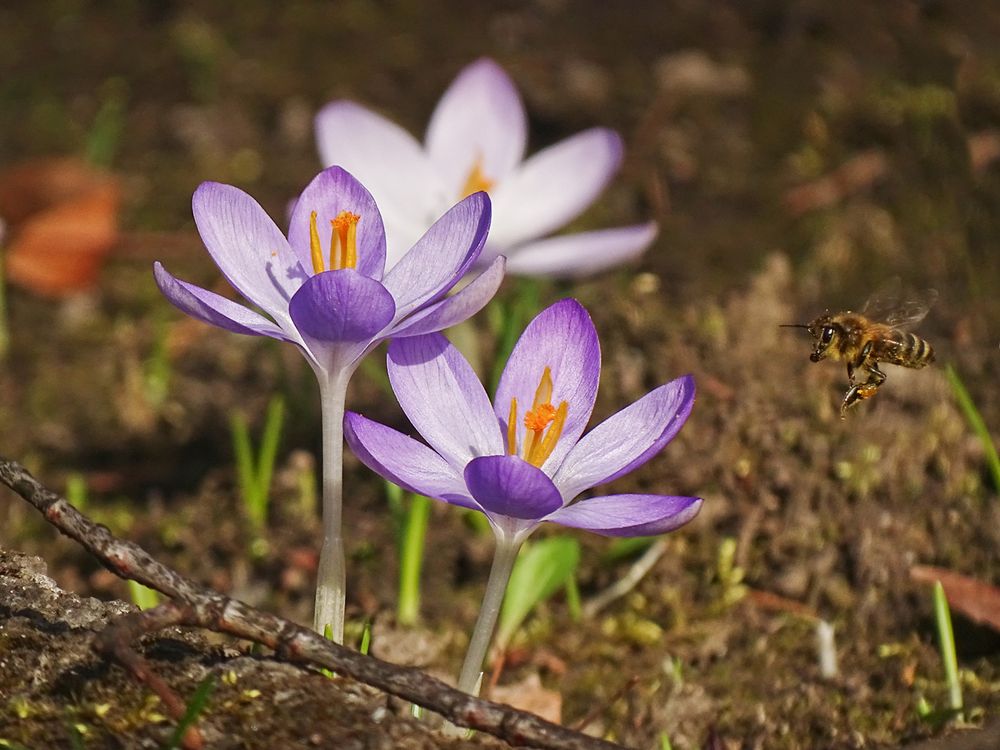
column 213, row 308
column 247, row 246
column 441, row 257
column 554, row 186
column 331, row 191
column 479, row 121
column 389, row 161
column 443, row 398
column 341, row 306
column 627, row 439
column 562, row 337
column 456, row 308
column 582, row 253
column 404, row 461
column 508, row 486
column 628, row 515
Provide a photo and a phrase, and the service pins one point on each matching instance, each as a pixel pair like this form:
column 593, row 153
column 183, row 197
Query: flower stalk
column 489, row 610
column 331, row 576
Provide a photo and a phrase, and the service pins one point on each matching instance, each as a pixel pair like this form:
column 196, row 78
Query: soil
column 739, row 119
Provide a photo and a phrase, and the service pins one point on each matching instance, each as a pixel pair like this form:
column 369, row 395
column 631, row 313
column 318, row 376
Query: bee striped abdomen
column 908, row 350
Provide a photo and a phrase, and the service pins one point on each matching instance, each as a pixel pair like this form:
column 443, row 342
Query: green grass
column 975, row 419
column 254, row 472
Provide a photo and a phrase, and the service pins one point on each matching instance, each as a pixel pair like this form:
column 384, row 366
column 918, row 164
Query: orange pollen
column 543, row 424
column 477, row 180
column 540, row 418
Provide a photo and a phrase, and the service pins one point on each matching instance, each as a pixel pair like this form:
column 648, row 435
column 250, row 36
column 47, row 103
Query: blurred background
column 796, row 155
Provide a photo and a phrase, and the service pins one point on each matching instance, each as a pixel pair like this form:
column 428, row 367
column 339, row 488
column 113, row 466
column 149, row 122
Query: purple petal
column 563, row 338
column 387, row 160
column 443, row 398
column 247, row 246
column 212, row 308
column 627, row 439
column 480, row 121
column 554, row 186
column 404, row 461
column 628, row 515
column 441, row 257
column 456, row 308
column 508, row 486
column 341, row 306
column 331, row 191
column 582, row 253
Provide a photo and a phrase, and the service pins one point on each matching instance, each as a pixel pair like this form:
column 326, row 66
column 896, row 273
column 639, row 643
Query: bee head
column 825, row 331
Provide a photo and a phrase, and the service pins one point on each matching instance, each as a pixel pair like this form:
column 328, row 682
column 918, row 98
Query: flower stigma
column 538, row 443
column 477, row 180
column 343, row 242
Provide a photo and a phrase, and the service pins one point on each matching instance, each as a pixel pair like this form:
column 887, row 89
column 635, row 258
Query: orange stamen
column 544, row 449
column 512, row 429
column 543, row 424
column 344, row 241
column 477, row 180
column 315, row 250
column 543, row 394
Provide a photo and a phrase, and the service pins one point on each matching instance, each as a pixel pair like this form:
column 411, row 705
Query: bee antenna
column 792, row 325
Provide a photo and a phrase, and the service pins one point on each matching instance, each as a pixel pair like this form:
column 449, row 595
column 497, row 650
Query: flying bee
column 877, row 334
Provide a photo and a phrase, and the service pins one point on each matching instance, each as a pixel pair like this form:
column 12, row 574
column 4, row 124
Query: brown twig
column 196, row 606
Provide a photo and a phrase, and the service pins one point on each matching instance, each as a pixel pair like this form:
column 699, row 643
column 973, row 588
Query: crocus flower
column 524, row 460
column 476, row 141
column 333, row 300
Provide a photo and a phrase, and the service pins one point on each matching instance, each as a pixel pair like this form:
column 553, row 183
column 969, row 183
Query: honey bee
column 877, row 334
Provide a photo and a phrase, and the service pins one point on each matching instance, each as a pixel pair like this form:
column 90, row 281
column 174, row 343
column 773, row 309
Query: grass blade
column 946, row 640
column 411, row 559
column 197, row 704
column 975, row 419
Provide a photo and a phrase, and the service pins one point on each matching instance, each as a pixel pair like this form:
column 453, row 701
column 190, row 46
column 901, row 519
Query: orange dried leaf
column 977, row 600
column 530, row 695
column 64, row 221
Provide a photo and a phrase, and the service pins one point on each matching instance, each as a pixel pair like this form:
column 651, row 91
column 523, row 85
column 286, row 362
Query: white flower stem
column 482, row 634
column 331, row 579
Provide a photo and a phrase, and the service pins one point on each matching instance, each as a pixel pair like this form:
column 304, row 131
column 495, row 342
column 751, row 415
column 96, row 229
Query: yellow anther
column 512, row 429
column 477, row 180
column 543, row 394
column 315, row 251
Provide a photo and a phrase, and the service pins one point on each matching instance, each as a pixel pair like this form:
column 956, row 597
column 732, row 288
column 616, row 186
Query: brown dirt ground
column 725, row 108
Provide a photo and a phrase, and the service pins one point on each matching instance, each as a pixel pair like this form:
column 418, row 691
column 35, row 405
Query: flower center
column 539, row 442
column 477, row 180
column 343, row 242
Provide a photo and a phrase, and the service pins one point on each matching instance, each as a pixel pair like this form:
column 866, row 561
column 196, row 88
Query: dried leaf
column 977, row 600
column 63, row 221
column 529, row 695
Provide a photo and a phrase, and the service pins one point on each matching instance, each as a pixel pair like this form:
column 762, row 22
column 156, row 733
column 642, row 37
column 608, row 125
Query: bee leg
column 865, row 390
column 861, row 361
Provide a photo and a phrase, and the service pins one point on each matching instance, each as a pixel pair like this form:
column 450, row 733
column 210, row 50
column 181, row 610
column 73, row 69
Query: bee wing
column 912, row 311
column 884, row 300
column 889, row 305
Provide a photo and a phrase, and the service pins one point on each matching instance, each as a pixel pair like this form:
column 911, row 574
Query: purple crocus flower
column 333, row 299
column 524, row 459
column 476, row 141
